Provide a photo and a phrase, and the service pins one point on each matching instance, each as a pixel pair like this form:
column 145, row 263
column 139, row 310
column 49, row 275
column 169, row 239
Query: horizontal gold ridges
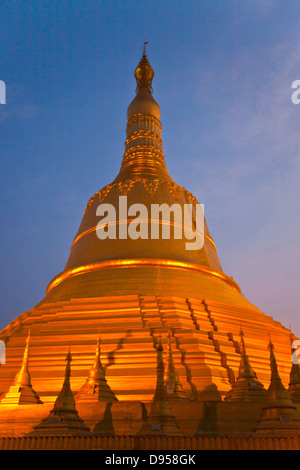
column 141, row 134
column 143, row 117
column 145, row 151
column 161, row 222
column 142, row 262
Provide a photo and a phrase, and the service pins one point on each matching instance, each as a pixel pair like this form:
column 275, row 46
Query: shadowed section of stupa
column 161, row 420
column 105, row 426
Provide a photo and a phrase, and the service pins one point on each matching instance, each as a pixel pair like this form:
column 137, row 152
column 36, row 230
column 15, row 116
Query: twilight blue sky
column 223, row 74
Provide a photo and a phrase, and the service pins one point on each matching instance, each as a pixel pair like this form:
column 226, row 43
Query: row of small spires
column 278, row 412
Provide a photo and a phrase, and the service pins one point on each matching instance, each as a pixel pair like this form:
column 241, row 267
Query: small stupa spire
column 161, row 420
column 279, row 414
column 63, row 418
column 23, row 376
column 96, row 387
column 247, row 387
column 21, row 392
column 173, row 385
column 245, row 369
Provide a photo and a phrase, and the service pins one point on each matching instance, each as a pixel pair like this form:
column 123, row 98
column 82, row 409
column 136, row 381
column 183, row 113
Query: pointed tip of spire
column 245, row 369
column 144, row 74
column 144, row 48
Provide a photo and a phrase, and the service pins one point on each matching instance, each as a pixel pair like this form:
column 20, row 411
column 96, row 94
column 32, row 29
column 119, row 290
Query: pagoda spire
column 63, row 418
column 279, row 414
column 173, row 385
column 246, row 387
column 161, row 420
column 96, row 388
column 23, row 377
column 143, row 147
column 21, row 392
column 294, row 385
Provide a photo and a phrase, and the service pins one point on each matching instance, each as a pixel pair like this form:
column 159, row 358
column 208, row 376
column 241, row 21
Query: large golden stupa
column 158, row 339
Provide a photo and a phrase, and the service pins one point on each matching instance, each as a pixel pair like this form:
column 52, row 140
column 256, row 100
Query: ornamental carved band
column 150, row 185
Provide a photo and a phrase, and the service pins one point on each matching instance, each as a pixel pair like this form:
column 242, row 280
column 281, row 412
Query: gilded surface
column 137, row 292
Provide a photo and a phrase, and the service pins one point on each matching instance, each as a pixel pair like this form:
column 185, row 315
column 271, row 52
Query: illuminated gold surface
column 139, row 262
column 161, row 222
column 136, row 291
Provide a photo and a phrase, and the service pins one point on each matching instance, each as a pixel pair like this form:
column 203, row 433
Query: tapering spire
column 96, row 387
column 143, row 147
column 275, row 377
column 245, row 370
column 63, row 418
column 247, row 387
column 279, row 415
column 21, row 392
column 65, row 399
column 294, row 385
column 173, row 385
column 23, row 377
column 161, row 420
column 160, row 391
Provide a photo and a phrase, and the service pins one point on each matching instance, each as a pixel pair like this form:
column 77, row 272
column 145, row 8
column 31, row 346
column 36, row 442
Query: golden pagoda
column 137, row 289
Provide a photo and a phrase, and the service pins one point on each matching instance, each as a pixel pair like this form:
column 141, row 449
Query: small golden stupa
column 210, row 371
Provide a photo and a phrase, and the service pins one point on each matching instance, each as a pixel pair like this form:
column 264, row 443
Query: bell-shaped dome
column 143, row 181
